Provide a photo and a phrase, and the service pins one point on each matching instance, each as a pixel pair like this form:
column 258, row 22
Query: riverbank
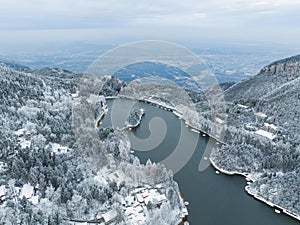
column 177, row 113
column 248, row 177
column 184, row 211
column 100, row 117
column 255, row 195
column 183, row 217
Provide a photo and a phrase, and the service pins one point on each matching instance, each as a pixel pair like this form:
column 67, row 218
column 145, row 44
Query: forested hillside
column 45, row 176
column 263, row 132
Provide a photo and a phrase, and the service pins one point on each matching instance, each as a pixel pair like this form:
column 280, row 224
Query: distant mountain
column 226, row 85
column 147, row 70
column 53, row 72
column 15, row 66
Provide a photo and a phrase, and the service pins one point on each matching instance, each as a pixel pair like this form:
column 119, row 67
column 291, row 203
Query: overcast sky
column 126, row 20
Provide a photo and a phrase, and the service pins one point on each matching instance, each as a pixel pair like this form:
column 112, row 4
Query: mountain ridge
column 271, row 77
column 14, row 65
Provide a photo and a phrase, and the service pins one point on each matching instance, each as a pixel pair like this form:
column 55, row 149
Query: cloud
column 56, row 14
column 146, row 16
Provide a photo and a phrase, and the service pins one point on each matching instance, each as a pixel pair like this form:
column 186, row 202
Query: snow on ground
column 2, row 193
column 24, row 143
column 21, row 139
column 27, row 191
column 111, row 175
column 75, row 95
column 99, row 177
column 59, row 149
column 261, row 115
column 34, row 200
column 109, row 216
column 2, row 190
column 270, row 126
column 20, row 132
column 254, row 176
column 243, row 106
column 2, row 165
column 135, row 204
column 220, row 121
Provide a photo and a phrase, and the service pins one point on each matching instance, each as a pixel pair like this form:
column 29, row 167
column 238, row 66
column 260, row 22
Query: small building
column 266, row 134
column 270, row 127
column 219, row 121
column 250, row 127
column 27, row 191
column 140, row 198
column 116, row 176
column 261, row 115
column 2, row 193
column 161, row 198
column 129, row 200
column 110, row 216
column 20, row 133
column 138, row 208
column 242, row 106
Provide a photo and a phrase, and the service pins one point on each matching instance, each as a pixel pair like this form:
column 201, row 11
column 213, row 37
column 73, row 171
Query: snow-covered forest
column 46, row 174
column 258, row 124
column 263, row 133
column 58, row 165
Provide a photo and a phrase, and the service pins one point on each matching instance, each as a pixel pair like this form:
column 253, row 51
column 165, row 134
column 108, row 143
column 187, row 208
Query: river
column 215, row 199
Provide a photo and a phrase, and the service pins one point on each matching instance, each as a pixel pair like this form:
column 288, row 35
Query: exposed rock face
column 289, row 67
column 274, row 93
column 270, row 78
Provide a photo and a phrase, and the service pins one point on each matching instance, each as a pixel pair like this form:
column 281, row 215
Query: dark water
column 214, row 199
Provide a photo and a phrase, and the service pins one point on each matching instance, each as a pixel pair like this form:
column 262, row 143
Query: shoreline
column 184, row 213
column 171, row 109
column 247, row 176
column 100, row 117
column 251, row 193
column 184, row 216
column 130, row 126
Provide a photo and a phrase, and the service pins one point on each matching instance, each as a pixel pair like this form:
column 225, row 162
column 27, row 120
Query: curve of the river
column 215, row 199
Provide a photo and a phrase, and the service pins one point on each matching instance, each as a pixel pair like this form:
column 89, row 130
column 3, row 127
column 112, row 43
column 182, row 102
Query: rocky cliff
column 272, row 77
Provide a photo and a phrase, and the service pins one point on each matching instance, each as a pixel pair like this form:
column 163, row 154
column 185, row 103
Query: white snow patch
column 24, row 143
column 117, row 176
column 34, row 200
column 243, row 106
column 59, row 149
column 220, row 121
column 2, row 190
column 261, row 115
column 27, row 191
column 2, row 165
column 75, row 95
column 20, row 132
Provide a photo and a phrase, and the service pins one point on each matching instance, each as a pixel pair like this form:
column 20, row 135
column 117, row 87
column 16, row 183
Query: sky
column 117, row 21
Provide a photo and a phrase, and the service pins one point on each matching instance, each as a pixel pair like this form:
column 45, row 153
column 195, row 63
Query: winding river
column 215, row 199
